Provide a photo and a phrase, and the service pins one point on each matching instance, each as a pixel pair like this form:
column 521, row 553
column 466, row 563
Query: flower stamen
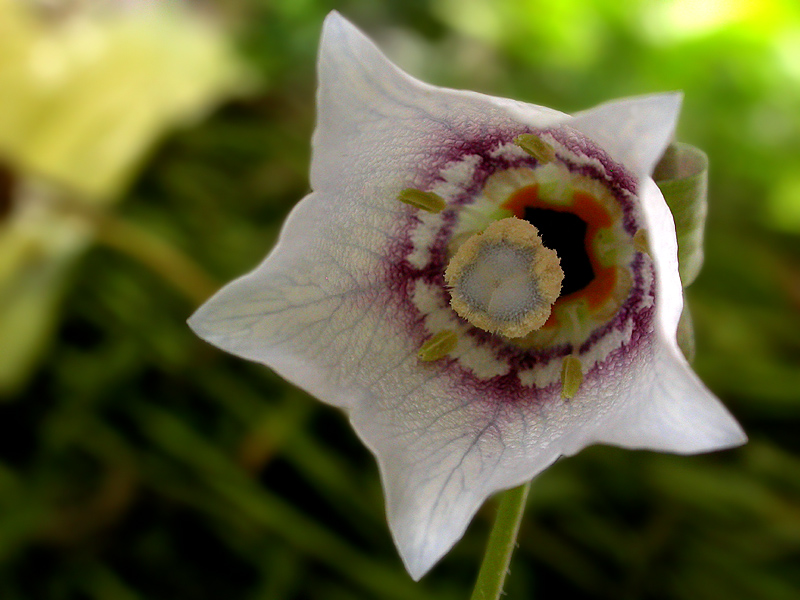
column 428, row 201
column 504, row 280
column 439, row 346
column 536, row 147
column 640, row 242
column 571, row 376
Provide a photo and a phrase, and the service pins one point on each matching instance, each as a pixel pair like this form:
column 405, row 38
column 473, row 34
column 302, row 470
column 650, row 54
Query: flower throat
column 565, row 233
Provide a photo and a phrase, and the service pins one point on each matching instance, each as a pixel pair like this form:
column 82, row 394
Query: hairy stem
column 502, row 541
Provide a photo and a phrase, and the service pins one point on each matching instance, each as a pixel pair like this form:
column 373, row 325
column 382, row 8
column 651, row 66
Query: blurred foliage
column 139, row 463
column 85, row 95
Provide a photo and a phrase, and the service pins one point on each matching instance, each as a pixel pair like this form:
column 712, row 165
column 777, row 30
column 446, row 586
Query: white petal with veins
column 670, row 410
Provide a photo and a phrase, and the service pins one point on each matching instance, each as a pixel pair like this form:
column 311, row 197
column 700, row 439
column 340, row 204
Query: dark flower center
column 565, row 233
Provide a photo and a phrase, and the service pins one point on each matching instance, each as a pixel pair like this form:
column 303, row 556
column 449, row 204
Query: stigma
column 504, row 280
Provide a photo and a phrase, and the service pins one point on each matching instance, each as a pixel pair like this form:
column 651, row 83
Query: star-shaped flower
column 482, row 285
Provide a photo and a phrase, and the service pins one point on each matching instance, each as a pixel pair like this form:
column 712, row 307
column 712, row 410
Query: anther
column 423, row 200
column 504, row 280
column 439, row 346
column 640, row 242
column 536, row 147
column 571, row 376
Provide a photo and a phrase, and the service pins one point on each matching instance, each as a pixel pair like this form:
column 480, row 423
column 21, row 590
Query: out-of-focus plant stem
column 158, row 255
column 171, row 264
column 502, row 541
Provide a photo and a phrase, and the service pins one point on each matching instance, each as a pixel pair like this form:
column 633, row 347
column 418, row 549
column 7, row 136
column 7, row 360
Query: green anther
column 536, row 147
column 640, row 242
column 439, row 346
column 571, row 376
column 423, row 200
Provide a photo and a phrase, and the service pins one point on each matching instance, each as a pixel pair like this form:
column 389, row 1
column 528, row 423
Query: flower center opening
column 576, row 229
column 565, row 233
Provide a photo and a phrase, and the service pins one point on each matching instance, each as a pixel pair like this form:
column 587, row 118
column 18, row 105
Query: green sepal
column 682, row 176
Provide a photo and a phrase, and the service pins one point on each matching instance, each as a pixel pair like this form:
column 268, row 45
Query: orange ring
column 596, row 217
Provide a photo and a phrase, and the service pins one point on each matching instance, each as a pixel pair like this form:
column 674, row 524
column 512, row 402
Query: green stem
column 502, row 541
column 172, row 265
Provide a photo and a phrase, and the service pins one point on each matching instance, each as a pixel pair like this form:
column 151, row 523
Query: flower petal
column 385, row 127
column 668, row 409
column 441, row 454
column 662, row 404
column 313, row 310
column 664, row 251
column 442, row 450
column 634, row 131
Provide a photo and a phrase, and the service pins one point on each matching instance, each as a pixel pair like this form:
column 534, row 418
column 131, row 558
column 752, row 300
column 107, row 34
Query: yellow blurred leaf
column 85, row 98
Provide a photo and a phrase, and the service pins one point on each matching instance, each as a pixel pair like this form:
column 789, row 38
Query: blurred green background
column 142, row 162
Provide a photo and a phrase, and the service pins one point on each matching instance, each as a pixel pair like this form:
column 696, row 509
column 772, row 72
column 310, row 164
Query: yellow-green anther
column 536, row 147
column 439, row 346
column 640, row 242
column 571, row 376
column 423, row 200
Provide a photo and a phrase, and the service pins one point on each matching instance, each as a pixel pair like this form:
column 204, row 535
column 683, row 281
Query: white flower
column 352, row 303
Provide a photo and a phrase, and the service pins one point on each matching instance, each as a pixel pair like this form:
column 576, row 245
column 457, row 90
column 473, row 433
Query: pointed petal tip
column 197, row 324
column 724, row 434
column 674, row 98
column 336, row 25
column 731, row 437
column 202, row 324
column 333, row 19
column 333, row 27
column 673, row 412
column 634, row 131
column 426, row 527
column 210, row 320
column 416, row 569
column 671, row 104
column 419, row 561
column 420, row 553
